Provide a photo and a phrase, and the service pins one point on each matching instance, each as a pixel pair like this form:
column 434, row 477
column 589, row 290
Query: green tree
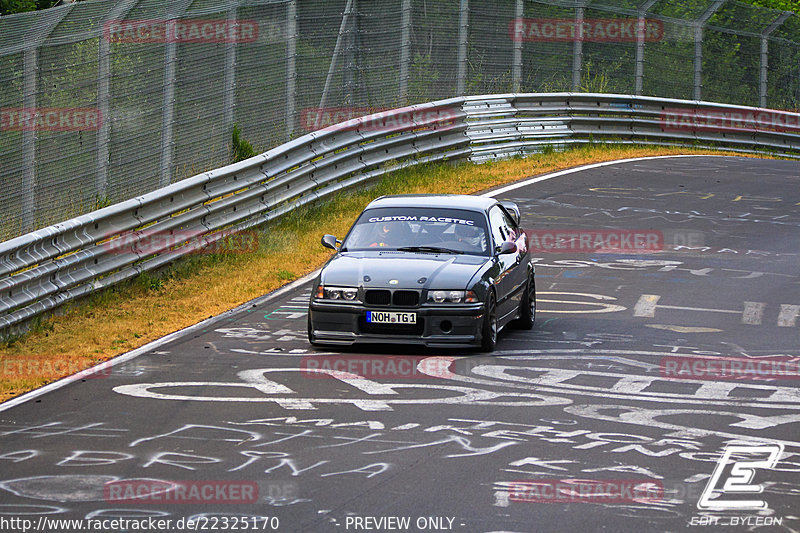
column 8, row 7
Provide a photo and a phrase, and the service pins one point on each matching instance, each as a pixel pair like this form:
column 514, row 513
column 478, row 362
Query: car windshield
column 419, row 229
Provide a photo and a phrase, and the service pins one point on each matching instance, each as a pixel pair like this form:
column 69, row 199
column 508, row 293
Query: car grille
column 405, row 298
column 391, row 329
column 377, row 297
column 399, row 298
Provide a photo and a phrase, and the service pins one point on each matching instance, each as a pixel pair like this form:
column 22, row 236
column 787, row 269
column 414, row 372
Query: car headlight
column 346, row 294
column 451, row 297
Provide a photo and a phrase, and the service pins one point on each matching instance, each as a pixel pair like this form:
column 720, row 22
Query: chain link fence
column 105, row 100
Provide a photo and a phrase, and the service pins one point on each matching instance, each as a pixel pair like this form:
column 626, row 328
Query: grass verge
column 125, row 317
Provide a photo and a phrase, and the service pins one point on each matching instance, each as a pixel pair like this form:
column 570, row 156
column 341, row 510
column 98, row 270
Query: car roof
column 446, row 201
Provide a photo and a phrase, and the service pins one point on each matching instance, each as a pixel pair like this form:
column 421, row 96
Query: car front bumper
column 437, row 326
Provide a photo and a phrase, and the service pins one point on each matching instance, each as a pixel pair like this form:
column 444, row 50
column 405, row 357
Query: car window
column 399, row 227
column 502, row 226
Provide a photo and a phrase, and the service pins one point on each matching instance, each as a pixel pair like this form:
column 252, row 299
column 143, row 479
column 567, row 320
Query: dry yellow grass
column 129, row 316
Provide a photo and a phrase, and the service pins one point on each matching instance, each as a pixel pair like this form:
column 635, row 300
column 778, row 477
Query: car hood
column 378, row 269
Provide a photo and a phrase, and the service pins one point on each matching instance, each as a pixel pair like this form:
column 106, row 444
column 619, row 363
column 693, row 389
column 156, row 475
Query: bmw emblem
column 393, row 282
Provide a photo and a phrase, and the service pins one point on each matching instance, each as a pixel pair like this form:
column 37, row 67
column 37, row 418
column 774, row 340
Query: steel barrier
column 41, row 270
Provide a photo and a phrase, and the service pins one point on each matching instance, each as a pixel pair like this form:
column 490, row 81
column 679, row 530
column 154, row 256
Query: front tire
column 527, row 306
column 311, row 339
column 489, row 329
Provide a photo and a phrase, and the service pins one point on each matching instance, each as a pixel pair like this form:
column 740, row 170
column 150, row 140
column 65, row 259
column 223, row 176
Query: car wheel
column 489, row 330
column 527, row 307
column 310, row 331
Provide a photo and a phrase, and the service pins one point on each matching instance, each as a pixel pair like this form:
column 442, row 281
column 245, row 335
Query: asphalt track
column 440, row 438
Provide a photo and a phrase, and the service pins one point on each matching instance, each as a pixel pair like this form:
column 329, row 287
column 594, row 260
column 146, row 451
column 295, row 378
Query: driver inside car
column 470, row 237
column 387, row 234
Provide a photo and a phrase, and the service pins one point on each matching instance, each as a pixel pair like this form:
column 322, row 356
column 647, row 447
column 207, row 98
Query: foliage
column 241, row 149
column 8, row 7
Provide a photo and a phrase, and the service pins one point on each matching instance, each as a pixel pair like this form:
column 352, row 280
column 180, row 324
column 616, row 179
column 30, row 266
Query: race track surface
column 455, row 441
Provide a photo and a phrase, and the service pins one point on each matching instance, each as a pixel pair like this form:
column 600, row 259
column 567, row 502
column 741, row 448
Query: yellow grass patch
column 129, row 316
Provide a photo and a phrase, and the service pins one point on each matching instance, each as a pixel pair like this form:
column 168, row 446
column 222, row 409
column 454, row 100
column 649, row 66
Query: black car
column 438, row 270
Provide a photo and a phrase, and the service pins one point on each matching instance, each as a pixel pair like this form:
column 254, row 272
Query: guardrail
column 44, row 269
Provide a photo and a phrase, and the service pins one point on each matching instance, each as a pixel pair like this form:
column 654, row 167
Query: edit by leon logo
column 744, row 461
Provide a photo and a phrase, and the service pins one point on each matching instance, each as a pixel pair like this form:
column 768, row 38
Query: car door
column 507, row 282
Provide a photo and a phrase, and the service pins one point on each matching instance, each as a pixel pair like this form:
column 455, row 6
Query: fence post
column 291, row 66
column 699, row 24
column 516, row 71
column 168, row 118
column 577, row 48
column 30, row 59
column 351, row 66
column 104, row 96
column 640, row 35
column 348, row 8
column 103, row 82
column 463, row 40
column 405, row 50
column 229, row 80
column 30, row 87
column 762, row 93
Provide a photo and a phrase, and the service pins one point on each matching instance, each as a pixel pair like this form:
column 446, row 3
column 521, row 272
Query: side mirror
column 507, row 247
column 513, row 210
column 329, row 241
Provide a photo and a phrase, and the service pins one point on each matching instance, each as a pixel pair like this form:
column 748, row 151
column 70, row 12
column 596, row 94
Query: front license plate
column 391, row 317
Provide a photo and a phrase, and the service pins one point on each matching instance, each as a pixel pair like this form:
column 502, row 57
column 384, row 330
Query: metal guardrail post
column 405, row 50
column 577, row 48
column 516, row 70
column 640, row 36
column 463, row 41
column 30, row 78
column 762, row 93
column 291, row 66
column 699, row 24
